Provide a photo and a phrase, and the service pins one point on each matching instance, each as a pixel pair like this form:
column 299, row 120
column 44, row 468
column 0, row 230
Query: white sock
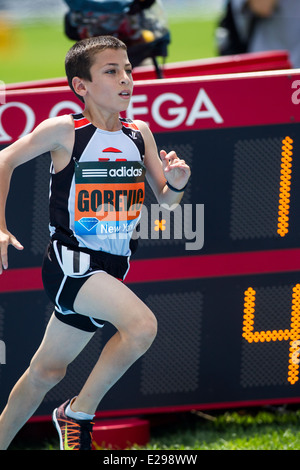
column 77, row 414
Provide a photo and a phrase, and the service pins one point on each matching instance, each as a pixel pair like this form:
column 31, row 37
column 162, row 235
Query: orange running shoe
column 73, row 434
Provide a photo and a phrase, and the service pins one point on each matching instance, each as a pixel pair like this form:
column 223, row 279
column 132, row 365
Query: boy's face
column 111, row 86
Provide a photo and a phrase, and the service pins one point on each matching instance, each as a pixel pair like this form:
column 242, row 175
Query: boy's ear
column 79, row 86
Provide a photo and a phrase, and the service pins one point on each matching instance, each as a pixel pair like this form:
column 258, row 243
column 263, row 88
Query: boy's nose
column 125, row 78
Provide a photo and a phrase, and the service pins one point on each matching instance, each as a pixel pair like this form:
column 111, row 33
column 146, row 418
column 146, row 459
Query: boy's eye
column 113, row 71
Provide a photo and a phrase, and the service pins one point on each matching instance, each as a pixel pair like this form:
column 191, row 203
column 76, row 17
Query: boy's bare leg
column 106, row 298
column 60, row 346
column 103, row 297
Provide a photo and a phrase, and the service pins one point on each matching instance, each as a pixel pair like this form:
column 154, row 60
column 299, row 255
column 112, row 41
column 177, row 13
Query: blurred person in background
column 263, row 25
column 140, row 24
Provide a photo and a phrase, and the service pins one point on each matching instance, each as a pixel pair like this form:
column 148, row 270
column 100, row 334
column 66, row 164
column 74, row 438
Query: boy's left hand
column 176, row 171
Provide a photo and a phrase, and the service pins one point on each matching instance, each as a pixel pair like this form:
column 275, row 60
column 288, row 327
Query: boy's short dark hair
column 80, row 57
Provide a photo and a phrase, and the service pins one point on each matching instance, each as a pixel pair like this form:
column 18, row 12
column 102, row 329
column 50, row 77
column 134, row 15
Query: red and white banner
column 171, row 104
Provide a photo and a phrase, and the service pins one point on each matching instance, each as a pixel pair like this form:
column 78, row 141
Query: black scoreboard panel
column 199, row 357
column 223, row 340
column 238, row 175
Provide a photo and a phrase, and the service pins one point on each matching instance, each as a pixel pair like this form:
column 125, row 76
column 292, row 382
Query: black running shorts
column 65, row 270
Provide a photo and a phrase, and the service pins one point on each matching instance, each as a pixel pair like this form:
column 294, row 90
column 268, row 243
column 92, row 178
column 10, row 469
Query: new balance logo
column 133, row 135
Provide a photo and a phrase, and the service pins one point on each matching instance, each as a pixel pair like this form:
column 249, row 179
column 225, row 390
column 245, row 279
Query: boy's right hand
column 6, row 239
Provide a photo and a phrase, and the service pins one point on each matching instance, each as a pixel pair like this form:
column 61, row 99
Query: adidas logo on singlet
column 113, row 172
column 123, row 171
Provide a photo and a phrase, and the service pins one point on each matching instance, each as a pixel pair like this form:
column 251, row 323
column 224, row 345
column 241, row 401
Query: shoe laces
column 78, row 435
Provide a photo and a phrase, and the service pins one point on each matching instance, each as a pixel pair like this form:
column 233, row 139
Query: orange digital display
column 285, row 187
column 292, row 335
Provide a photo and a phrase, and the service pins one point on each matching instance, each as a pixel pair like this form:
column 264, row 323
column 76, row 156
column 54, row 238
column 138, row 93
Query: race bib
column 108, row 197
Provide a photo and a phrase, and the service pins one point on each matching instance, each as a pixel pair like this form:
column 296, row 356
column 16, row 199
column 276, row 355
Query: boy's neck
column 108, row 123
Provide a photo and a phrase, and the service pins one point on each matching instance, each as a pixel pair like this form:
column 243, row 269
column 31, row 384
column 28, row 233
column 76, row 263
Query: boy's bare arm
column 168, row 167
column 6, row 238
column 48, row 136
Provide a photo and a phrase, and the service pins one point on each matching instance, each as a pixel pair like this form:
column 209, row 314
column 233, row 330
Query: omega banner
column 221, row 273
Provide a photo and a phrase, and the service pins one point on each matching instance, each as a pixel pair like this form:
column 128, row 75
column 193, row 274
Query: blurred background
column 33, row 43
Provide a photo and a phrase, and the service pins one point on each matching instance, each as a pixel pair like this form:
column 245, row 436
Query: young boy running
column 97, row 188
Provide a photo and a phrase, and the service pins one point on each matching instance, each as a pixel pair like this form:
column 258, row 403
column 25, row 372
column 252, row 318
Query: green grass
column 191, row 39
column 232, row 430
column 257, row 429
column 38, row 51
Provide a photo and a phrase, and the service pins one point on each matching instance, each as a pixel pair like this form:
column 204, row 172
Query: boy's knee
column 144, row 331
column 42, row 376
column 152, row 328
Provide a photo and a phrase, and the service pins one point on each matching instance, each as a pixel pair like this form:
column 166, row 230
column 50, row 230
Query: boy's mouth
column 125, row 94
